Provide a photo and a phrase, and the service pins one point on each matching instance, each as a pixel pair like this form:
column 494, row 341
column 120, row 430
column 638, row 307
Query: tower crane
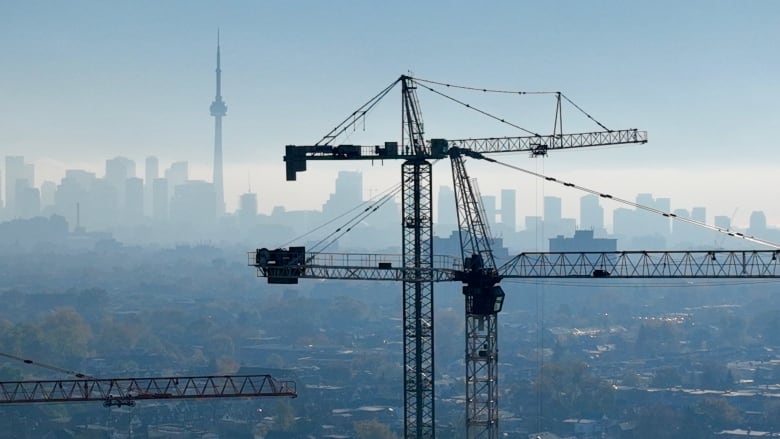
column 418, row 268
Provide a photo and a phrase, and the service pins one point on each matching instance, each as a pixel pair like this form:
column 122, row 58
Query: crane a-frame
column 418, row 270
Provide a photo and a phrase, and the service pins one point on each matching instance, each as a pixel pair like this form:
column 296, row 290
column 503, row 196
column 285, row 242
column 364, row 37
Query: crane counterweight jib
column 296, row 156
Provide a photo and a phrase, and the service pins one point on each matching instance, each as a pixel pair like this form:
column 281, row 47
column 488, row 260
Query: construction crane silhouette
column 418, row 268
column 119, row 392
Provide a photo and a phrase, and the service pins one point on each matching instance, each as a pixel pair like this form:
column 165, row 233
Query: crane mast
column 417, row 248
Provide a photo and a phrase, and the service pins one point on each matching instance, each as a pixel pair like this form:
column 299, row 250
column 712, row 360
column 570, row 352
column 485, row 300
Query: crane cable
column 483, row 112
column 47, row 366
column 333, row 237
column 342, row 215
column 514, row 92
column 671, row 215
column 356, row 115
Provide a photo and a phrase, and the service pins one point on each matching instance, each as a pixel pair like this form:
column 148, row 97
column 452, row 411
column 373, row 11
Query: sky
column 85, row 81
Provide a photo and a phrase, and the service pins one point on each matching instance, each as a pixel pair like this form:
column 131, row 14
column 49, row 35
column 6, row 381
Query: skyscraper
column 17, row 173
column 151, row 171
column 218, row 110
column 508, row 209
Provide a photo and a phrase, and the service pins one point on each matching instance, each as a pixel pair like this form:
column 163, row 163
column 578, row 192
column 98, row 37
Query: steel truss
column 645, row 264
column 125, row 391
column 540, row 144
column 417, row 225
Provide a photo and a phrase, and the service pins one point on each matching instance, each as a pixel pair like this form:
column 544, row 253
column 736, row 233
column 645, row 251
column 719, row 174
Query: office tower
column 445, row 206
column 591, row 213
column 649, row 224
column 509, row 210
column 699, row 214
column 247, row 211
column 2, row 197
column 552, row 210
column 723, row 222
column 218, row 110
column 160, row 199
column 151, row 171
column 17, row 172
column 348, row 194
column 27, row 201
column 757, row 223
column 176, row 175
column 489, row 205
column 118, row 170
column 193, row 205
column 75, row 188
column 134, row 200
column 623, row 222
column 48, row 189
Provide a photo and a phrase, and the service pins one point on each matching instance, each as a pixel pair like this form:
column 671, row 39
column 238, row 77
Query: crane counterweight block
column 280, row 266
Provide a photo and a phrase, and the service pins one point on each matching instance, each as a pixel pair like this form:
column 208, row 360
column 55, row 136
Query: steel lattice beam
column 645, row 264
column 417, row 225
column 540, row 144
column 125, row 391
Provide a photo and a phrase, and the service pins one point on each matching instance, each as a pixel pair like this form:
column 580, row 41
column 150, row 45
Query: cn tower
column 218, row 110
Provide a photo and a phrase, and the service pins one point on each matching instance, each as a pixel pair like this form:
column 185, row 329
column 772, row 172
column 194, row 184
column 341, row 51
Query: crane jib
column 296, row 156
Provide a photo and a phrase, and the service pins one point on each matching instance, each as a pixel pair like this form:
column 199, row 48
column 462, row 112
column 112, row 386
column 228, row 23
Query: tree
column 569, row 389
column 373, row 429
column 66, row 336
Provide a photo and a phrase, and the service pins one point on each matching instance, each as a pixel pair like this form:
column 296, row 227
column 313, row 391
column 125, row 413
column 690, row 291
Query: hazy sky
column 85, row 81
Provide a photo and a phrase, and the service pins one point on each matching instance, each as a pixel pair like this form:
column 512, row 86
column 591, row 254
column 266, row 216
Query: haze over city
column 136, row 79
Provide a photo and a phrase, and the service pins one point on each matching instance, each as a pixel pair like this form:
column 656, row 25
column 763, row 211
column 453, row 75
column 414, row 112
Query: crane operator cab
column 483, row 295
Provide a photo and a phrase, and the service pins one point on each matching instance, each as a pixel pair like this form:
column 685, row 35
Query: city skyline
column 695, row 76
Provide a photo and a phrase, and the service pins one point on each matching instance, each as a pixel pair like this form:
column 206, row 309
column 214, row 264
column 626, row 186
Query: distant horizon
column 282, row 193
column 87, row 83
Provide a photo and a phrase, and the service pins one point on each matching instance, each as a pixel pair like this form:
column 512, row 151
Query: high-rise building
column 509, row 210
column 48, row 189
column 723, row 222
column 591, row 214
column 192, row 205
column 489, row 204
column 118, row 170
column 160, row 199
column 151, row 171
column 17, row 172
column 74, row 189
column 176, row 175
column 348, row 194
column 134, row 201
column 445, row 208
column 757, row 223
column 552, row 210
column 247, row 211
column 218, row 110
column 27, row 201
